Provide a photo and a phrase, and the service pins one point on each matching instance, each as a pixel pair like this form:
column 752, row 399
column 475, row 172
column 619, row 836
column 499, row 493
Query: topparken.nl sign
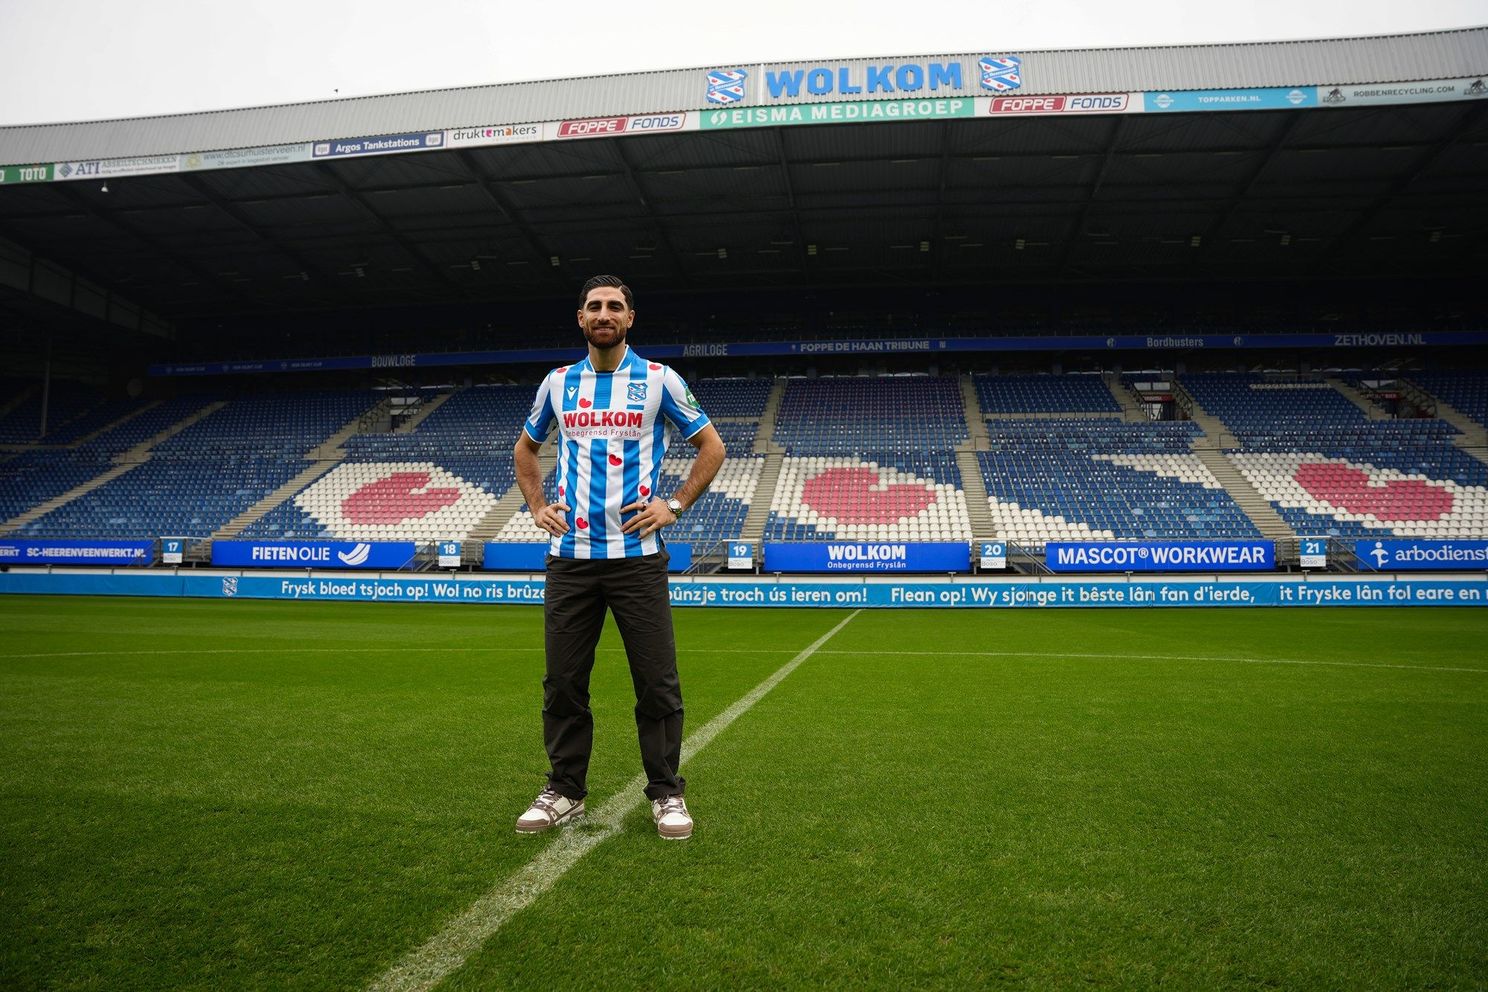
column 869, row 556
column 68, row 552
column 314, row 554
column 1433, row 556
column 1160, row 556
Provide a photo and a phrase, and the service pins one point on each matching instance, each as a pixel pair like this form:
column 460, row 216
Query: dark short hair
column 614, row 282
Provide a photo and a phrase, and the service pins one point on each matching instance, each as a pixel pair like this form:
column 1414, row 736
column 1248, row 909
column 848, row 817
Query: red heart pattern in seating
column 1353, row 491
column 396, row 498
column 860, row 496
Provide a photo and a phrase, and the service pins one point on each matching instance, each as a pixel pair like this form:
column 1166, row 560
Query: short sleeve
column 539, row 423
column 679, row 406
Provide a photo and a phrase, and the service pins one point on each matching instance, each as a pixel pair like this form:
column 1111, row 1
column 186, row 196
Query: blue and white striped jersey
column 611, row 439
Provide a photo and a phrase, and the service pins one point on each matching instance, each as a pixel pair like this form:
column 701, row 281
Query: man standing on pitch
column 611, row 411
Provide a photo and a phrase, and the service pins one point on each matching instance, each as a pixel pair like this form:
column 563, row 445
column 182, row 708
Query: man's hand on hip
column 653, row 516
column 551, row 518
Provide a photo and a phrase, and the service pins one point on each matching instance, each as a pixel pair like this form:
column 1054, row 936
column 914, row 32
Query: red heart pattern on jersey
column 654, row 367
column 396, row 498
column 582, row 523
column 584, row 402
column 1353, row 491
column 860, row 496
column 616, row 459
column 645, row 490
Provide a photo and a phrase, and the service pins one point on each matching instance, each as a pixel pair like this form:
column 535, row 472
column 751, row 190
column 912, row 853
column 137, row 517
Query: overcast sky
column 74, row 60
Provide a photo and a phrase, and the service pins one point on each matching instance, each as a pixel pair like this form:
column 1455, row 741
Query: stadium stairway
column 753, row 528
column 41, row 509
column 976, row 424
column 259, row 510
column 1256, row 507
column 331, row 448
column 117, row 423
column 763, row 445
column 83, row 439
column 325, row 456
column 1217, row 435
column 1473, row 437
column 1125, row 396
column 141, row 452
column 1207, row 448
column 978, row 507
column 1358, row 399
column 411, row 424
column 508, row 506
column 1427, row 402
column 124, row 462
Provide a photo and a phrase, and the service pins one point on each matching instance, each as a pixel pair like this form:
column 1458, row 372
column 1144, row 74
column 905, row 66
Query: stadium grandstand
column 1215, row 293
column 992, row 339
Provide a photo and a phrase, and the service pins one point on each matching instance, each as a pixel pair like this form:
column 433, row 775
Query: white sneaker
column 551, row 809
column 672, row 819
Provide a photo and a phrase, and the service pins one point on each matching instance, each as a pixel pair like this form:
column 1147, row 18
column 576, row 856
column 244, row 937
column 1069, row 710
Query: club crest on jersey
column 636, row 392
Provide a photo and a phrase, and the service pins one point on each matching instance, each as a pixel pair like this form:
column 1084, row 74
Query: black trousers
column 577, row 595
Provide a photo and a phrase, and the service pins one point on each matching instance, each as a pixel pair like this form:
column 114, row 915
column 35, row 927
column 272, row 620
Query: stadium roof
column 1352, row 61
column 1332, row 176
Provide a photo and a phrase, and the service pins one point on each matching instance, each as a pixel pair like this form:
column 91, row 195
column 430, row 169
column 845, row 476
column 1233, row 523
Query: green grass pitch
column 286, row 796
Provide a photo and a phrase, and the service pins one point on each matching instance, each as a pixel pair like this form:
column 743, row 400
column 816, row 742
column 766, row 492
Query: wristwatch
column 675, row 506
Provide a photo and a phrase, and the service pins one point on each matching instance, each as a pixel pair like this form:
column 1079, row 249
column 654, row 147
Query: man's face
column 605, row 317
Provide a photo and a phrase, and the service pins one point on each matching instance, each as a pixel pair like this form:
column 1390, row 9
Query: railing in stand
column 711, row 559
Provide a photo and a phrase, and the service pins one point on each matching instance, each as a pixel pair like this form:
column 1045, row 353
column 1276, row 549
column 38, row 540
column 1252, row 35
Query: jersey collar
column 626, row 362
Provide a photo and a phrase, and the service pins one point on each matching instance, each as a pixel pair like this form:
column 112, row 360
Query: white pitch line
column 301, row 649
column 1057, row 655
column 452, row 946
column 615, row 649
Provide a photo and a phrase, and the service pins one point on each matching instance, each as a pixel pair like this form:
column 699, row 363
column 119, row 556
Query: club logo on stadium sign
column 726, row 85
column 1001, row 73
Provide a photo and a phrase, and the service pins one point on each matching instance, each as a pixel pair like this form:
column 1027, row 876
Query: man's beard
column 616, row 331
